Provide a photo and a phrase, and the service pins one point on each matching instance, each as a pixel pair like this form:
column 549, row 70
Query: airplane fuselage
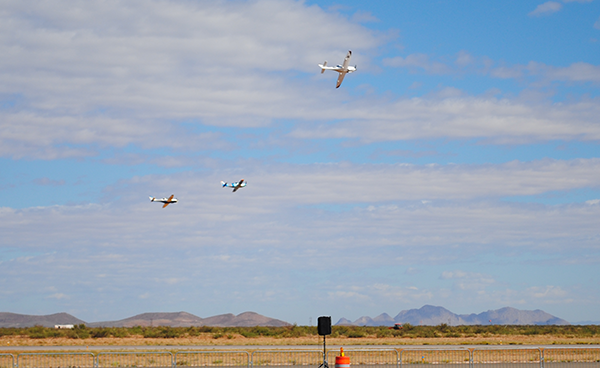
column 165, row 200
column 233, row 185
column 341, row 69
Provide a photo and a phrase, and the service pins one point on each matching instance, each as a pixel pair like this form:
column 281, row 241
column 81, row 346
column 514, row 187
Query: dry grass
column 208, row 340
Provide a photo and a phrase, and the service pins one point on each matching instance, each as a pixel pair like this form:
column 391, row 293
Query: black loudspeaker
column 324, row 327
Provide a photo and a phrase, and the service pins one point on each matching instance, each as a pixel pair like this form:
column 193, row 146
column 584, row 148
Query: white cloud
column 468, row 280
column 464, row 59
column 364, row 17
column 446, row 275
column 548, row 7
column 58, row 296
column 466, row 63
column 126, row 71
column 419, row 61
column 263, row 214
column 551, row 294
column 499, row 120
column 268, row 234
column 576, row 72
column 351, row 295
column 128, row 75
column 147, row 75
column 506, row 72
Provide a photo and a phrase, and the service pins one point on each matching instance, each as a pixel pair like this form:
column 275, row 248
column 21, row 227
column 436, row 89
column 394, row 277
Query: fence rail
column 368, row 357
column 212, row 358
column 570, row 355
column 7, row 360
column 452, row 357
column 458, row 357
column 134, row 359
column 58, row 360
column 286, row 357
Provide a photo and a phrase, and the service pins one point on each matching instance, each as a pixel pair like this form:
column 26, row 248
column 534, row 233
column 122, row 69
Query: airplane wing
column 239, row 185
column 347, row 60
column 168, row 201
column 340, row 79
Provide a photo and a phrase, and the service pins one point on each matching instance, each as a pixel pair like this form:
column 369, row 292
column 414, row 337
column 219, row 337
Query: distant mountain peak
column 16, row 320
column 173, row 319
column 435, row 315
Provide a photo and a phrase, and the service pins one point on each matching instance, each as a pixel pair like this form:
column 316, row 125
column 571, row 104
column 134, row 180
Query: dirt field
column 208, row 340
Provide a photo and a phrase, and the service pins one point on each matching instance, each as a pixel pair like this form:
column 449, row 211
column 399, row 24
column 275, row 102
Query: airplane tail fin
column 152, row 199
column 223, row 184
column 324, row 64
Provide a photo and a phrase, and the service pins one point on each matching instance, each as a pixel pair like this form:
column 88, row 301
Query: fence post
column 12, row 357
column 400, row 358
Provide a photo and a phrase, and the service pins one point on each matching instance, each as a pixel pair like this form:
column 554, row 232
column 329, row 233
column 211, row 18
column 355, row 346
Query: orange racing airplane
column 166, row 201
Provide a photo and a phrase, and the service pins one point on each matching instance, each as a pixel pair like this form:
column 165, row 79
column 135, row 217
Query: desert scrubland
column 301, row 335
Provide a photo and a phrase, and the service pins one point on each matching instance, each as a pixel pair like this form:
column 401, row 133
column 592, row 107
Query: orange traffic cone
column 342, row 361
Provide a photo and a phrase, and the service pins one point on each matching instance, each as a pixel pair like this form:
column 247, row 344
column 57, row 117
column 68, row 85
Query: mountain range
column 432, row 316
column 176, row 319
column 426, row 315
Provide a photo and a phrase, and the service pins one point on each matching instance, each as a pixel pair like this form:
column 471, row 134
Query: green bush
column 9, row 331
column 356, row 334
column 407, row 330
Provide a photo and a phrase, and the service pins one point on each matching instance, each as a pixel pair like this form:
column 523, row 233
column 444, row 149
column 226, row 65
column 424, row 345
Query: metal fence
column 460, row 357
column 499, row 358
column 162, row 359
column 52, row 360
column 7, row 361
column 452, row 357
column 569, row 357
column 212, row 358
column 286, row 357
column 382, row 358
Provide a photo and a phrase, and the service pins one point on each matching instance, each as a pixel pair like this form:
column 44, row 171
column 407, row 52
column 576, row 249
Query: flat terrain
column 212, row 340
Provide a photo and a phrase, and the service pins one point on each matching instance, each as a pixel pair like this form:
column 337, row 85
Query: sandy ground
column 208, row 340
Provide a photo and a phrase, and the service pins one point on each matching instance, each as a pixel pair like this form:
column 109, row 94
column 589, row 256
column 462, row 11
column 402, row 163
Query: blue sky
column 459, row 166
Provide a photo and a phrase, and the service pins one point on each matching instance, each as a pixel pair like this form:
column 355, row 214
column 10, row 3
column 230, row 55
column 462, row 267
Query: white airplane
column 166, row 201
column 342, row 69
column 235, row 186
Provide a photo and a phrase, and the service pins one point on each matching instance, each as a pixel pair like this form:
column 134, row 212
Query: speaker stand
column 324, row 364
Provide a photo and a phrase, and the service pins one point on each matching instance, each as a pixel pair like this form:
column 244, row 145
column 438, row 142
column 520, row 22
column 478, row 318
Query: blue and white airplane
column 342, row 69
column 235, row 186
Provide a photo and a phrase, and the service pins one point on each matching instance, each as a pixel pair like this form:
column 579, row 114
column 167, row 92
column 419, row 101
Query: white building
column 58, row 327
